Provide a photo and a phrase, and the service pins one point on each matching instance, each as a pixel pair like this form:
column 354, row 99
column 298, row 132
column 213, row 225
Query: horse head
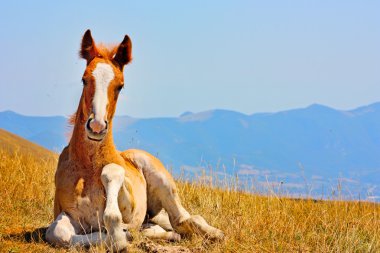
column 103, row 80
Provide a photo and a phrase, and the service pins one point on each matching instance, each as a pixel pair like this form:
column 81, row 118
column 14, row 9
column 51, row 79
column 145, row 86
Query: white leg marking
column 62, row 232
column 103, row 74
column 112, row 178
column 87, row 240
column 156, row 232
column 162, row 219
column 160, row 187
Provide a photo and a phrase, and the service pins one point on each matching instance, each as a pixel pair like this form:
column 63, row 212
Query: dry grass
column 251, row 223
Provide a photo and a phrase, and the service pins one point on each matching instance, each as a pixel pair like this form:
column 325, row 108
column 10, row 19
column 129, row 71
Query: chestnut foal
column 102, row 193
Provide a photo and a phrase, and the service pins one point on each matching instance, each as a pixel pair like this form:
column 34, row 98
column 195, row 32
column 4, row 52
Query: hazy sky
column 248, row 56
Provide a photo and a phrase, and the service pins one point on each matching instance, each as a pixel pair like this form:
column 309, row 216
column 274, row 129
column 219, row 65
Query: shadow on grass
column 147, row 245
column 35, row 236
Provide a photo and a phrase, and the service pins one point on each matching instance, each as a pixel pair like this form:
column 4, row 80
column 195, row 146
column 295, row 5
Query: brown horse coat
column 102, row 193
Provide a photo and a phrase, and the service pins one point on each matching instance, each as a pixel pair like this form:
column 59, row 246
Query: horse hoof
column 117, row 242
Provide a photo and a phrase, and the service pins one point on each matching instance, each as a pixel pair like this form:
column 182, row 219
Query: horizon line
column 188, row 113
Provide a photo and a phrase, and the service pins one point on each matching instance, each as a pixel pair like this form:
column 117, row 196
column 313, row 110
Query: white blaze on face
column 103, row 74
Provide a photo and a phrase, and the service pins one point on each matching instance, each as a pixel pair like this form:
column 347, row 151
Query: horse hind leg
column 186, row 224
column 155, row 231
column 162, row 193
column 162, row 219
column 112, row 178
column 159, row 227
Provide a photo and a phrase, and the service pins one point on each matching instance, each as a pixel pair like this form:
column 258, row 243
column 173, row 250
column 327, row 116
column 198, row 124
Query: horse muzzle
column 96, row 130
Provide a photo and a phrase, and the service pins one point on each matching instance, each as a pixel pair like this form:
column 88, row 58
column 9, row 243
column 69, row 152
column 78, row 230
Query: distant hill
column 316, row 147
column 48, row 132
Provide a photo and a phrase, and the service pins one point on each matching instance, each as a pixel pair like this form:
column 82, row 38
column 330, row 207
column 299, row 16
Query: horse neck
column 89, row 152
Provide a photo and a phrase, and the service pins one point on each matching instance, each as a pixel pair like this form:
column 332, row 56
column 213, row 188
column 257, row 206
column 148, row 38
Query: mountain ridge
column 317, row 139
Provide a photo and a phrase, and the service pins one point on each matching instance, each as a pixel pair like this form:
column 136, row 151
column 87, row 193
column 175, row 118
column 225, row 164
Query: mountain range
column 315, row 150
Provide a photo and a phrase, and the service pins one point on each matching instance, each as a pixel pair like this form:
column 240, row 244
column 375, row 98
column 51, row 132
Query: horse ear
column 124, row 53
column 88, row 49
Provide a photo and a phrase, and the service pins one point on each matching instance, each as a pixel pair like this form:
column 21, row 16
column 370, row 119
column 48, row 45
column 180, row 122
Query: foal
column 102, row 193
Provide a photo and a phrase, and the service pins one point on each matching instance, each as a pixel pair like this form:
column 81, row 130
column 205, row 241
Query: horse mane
column 70, row 127
column 72, row 119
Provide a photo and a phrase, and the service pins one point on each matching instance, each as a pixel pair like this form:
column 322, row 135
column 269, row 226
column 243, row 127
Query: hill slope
column 251, row 223
column 13, row 143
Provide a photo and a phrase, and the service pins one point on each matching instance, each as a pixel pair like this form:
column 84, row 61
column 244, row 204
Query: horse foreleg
column 63, row 233
column 112, row 178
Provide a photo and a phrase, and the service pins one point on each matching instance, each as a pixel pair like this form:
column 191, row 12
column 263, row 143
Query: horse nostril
column 96, row 126
column 88, row 124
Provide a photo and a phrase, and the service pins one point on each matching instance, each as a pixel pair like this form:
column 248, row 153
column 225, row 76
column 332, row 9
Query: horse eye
column 84, row 82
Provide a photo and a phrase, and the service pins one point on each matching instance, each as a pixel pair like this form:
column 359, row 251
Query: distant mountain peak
column 186, row 114
column 9, row 112
column 206, row 115
column 317, row 106
column 201, row 116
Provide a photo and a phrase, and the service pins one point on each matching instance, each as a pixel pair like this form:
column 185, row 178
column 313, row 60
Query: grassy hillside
column 252, row 223
column 14, row 143
column 26, row 189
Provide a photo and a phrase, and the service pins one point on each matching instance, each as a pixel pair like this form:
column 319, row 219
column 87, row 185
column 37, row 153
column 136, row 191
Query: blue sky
column 248, row 56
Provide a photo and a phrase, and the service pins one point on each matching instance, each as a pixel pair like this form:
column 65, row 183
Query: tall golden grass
column 251, row 223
